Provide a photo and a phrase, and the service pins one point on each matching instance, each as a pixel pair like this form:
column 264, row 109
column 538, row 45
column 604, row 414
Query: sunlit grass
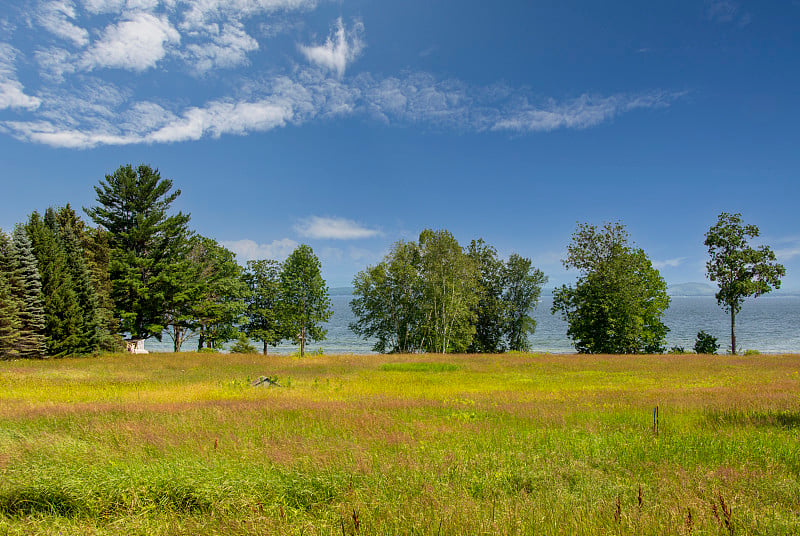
column 522, row 444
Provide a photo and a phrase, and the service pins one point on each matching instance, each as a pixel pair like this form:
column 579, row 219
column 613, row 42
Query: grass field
column 512, row 444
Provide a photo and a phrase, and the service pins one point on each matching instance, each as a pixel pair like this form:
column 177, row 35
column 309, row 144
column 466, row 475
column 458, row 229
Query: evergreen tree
column 61, row 310
column 27, row 287
column 305, row 297
column 9, row 309
column 93, row 244
column 147, row 246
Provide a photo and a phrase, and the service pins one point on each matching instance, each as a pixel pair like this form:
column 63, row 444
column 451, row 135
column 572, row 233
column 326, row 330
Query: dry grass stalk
column 618, row 511
column 640, row 496
column 689, row 521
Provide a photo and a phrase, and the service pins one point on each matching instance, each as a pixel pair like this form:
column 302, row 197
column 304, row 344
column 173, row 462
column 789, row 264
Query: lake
column 770, row 324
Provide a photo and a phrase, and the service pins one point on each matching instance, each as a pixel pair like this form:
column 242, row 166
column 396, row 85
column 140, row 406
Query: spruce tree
column 63, row 315
column 9, row 310
column 27, row 286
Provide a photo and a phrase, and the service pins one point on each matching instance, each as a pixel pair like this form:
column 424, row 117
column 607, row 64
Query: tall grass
column 522, row 444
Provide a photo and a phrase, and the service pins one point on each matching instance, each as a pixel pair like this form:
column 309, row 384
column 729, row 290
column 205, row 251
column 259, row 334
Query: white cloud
column 249, row 250
column 333, row 228
column 227, row 48
column 12, row 92
column 137, row 43
column 671, row 263
column 56, row 15
column 341, row 48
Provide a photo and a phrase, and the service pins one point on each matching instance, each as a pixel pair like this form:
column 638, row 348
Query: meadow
column 412, row 444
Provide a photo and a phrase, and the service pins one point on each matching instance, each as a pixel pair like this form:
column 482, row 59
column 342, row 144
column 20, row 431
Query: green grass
column 514, row 444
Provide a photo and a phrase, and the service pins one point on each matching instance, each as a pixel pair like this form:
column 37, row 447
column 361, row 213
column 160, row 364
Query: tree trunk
column 178, row 340
column 302, row 340
column 733, row 332
column 200, row 340
column 265, row 347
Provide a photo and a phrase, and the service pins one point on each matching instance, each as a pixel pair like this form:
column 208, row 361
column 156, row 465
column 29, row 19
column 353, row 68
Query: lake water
column 768, row 324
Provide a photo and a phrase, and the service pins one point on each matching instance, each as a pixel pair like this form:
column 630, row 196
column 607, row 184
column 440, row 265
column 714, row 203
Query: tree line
column 70, row 289
column 67, row 288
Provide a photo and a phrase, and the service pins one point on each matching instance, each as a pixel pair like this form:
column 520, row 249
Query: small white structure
column 135, row 346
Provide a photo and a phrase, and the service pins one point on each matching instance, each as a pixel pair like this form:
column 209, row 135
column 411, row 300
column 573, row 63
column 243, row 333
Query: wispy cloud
column 12, row 93
column 228, row 47
column 248, row 250
column 727, row 12
column 57, row 16
column 669, row 263
column 334, row 229
column 341, row 48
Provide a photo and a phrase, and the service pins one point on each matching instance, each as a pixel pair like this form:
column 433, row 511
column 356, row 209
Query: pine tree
column 147, row 245
column 27, row 286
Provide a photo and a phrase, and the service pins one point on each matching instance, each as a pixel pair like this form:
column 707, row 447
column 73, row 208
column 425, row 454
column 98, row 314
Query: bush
column 705, row 343
column 208, row 351
column 243, row 346
column 677, row 350
column 752, row 352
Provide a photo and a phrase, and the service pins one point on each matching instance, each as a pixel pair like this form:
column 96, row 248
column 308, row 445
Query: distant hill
column 691, row 289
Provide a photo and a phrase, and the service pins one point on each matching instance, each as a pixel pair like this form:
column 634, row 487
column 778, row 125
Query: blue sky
column 349, row 125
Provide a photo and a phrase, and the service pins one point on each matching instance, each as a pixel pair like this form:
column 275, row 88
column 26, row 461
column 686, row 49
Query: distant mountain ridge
column 691, row 289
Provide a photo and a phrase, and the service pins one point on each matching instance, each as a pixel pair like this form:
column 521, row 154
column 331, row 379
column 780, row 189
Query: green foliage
column 617, row 302
column 18, row 264
column 265, row 318
column 677, row 350
column 9, row 309
column 705, row 343
column 306, row 304
column 436, row 297
column 522, row 286
column 243, row 346
column 386, row 301
column 739, row 269
column 147, row 246
column 752, row 352
column 449, row 292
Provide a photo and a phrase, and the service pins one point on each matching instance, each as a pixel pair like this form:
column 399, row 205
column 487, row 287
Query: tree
column 617, row 302
column 739, row 269
column 19, row 266
column 490, row 310
column 9, row 309
column 221, row 300
column 522, row 286
column 387, row 300
column 147, row 246
column 705, row 343
column 449, row 292
column 63, row 316
column 305, row 297
column 265, row 314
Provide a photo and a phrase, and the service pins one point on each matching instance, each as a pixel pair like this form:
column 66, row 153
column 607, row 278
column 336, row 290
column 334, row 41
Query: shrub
column 705, row 343
column 752, row 352
column 677, row 350
column 243, row 346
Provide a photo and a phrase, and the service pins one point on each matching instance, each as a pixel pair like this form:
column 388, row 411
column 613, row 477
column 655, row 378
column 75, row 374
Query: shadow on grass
column 31, row 500
column 779, row 419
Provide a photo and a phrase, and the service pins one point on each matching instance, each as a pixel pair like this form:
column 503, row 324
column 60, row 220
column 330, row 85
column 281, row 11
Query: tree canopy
column 617, row 303
column 305, row 300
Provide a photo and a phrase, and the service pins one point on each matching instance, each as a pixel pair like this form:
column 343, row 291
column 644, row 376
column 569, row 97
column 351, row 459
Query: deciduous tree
column 739, row 269
column 617, row 302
